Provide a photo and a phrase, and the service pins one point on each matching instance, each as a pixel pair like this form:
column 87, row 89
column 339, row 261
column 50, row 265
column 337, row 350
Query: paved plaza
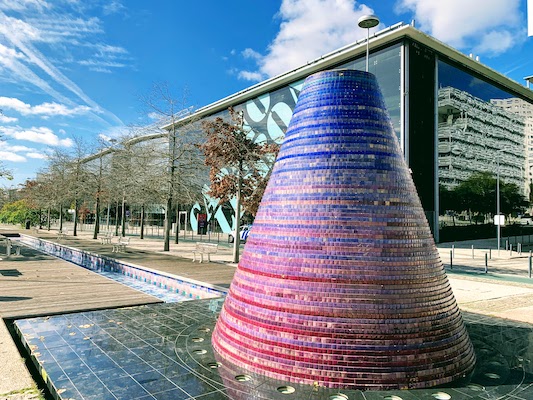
column 34, row 284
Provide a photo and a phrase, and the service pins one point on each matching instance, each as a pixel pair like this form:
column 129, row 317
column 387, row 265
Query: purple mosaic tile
column 340, row 281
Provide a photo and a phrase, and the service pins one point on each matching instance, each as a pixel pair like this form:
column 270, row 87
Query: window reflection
column 386, row 65
column 480, row 126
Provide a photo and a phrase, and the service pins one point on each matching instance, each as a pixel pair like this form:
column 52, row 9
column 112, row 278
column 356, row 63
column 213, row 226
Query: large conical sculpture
column 340, row 281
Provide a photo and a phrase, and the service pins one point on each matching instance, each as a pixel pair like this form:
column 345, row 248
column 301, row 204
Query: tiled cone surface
column 340, row 281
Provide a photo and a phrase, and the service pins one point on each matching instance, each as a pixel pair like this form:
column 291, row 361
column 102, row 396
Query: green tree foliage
column 477, row 195
column 18, row 212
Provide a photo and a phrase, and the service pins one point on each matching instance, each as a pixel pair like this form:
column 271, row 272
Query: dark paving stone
column 166, row 366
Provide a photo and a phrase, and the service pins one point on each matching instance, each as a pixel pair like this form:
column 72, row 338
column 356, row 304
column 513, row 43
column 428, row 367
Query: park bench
column 9, row 247
column 120, row 245
column 204, row 248
column 62, row 234
column 106, row 238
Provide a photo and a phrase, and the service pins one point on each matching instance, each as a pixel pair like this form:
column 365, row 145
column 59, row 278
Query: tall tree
column 71, row 176
column 181, row 155
column 238, row 167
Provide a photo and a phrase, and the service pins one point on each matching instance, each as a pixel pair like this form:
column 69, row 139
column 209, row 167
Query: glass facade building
column 452, row 115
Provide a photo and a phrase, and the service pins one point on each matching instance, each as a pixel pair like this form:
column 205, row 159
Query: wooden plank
column 51, row 286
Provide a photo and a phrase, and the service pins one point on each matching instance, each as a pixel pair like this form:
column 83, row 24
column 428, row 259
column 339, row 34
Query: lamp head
column 368, row 21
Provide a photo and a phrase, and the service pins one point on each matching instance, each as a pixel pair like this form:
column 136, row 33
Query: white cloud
column 5, row 146
column 250, row 53
column 309, row 29
column 36, row 155
column 58, row 109
column 8, row 54
column 250, row 75
column 44, row 109
column 42, row 135
column 488, row 26
column 6, row 120
column 13, row 157
column 495, row 42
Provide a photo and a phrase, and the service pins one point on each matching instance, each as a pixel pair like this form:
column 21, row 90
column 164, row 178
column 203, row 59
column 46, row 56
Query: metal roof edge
column 469, row 62
column 318, row 64
column 380, row 38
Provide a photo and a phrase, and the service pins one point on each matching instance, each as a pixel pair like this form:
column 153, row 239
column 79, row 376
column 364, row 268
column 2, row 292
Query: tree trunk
column 168, row 224
column 48, row 219
column 75, row 233
column 108, row 212
column 123, row 217
column 237, row 241
column 116, row 220
column 142, row 221
column 177, row 240
column 61, row 217
column 97, row 219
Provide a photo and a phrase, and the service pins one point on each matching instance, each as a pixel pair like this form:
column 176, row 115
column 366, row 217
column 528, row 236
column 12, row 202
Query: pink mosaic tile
column 340, row 281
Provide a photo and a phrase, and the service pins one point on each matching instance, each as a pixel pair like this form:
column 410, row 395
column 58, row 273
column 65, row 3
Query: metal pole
column 453, row 250
column 451, row 260
column 498, row 200
column 472, row 251
column 367, row 51
column 486, row 263
column 529, row 269
column 490, row 254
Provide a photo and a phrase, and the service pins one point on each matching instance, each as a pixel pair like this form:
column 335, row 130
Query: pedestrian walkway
column 35, row 284
column 502, row 290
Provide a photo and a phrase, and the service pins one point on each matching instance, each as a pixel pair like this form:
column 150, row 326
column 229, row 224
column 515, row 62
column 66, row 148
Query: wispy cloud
column 22, row 5
column 308, row 29
column 99, row 65
column 41, row 135
column 113, row 7
column 28, row 63
column 488, row 27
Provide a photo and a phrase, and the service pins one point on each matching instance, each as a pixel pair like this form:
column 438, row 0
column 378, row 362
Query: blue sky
column 76, row 68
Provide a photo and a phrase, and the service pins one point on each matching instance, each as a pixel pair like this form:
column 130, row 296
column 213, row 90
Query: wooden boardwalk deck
column 180, row 264
column 35, row 284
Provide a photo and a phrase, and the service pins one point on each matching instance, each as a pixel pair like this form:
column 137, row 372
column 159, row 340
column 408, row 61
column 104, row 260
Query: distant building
column 475, row 135
column 524, row 109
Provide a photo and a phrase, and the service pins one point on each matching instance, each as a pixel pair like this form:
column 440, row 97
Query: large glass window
column 481, row 128
column 386, row 65
column 268, row 115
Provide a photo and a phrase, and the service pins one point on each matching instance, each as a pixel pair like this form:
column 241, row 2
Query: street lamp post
column 498, row 220
column 367, row 22
column 498, row 201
